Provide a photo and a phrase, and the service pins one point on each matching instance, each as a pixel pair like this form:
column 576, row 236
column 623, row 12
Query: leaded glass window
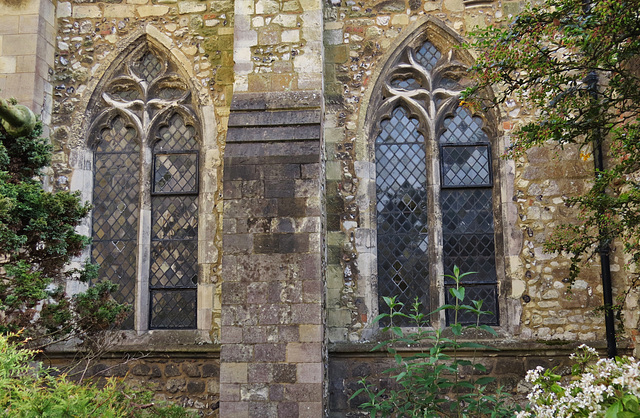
column 116, row 200
column 434, row 184
column 403, row 237
column 145, row 141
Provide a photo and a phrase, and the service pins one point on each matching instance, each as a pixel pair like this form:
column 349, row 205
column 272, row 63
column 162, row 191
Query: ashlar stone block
column 233, row 372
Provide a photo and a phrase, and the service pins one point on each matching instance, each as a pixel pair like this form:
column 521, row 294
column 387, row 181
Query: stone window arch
column 436, row 189
column 145, row 137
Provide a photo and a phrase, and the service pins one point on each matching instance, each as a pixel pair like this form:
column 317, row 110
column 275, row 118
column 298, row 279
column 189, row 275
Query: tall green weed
column 432, row 380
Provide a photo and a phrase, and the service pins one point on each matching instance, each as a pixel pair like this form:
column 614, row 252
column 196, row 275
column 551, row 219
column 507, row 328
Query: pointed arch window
column 434, row 184
column 145, row 139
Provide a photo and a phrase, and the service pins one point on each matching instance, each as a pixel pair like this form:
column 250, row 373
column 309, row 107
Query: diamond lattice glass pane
column 175, row 173
column 177, row 136
column 466, row 166
column 471, row 253
column 400, row 166
column 449, row 84
column 119, row 137
column 170, row 93
column 173, row 309
column 174, row 264
column 126, row 95
column 400, row 128
column 428, row 55
column 174, row 218
column 148, row 67
column 115, row 222
column 115, row 196
column 403, row 269
column 489, row 297
column 402, row 218
column 117, row 260
column 463, row 128
column 467, row 211
column 405, row 84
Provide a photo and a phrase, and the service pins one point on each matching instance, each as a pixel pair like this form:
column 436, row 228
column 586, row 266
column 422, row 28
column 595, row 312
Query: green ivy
column 576, row 65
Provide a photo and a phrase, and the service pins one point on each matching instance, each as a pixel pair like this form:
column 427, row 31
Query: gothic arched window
column 434, row 184
column 145, row 140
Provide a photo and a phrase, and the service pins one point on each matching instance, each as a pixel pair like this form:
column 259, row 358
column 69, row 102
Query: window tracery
column 145, row 140
column 434, row 183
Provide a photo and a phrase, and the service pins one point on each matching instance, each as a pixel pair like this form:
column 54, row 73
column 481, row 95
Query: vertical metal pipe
column 603, row 247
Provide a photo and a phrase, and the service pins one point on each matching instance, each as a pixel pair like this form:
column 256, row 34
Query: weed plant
column 433, row 380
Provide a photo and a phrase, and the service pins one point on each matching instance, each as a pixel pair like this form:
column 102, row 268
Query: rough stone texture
column 27, row 48
column 87, row 39
column 274, row 254
column 533, row 302
column 273, row 104
column 190, row 380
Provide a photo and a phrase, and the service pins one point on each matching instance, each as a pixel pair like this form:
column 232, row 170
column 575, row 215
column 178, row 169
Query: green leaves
column 457, row 293
column 38, row 239
column 429, row 370
column 576, row 68
column 28, row 390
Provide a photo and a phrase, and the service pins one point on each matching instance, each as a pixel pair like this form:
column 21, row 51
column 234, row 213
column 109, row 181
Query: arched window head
column 145, row 139
column 434, row 184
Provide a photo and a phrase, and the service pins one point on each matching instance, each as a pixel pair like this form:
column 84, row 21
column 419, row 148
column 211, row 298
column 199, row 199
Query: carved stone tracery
column 145, row 225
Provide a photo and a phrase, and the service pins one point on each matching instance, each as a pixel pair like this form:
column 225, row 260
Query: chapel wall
column 534, row 302
column 91, row 38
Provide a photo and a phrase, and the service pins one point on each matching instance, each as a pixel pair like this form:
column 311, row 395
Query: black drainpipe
column 603, row 247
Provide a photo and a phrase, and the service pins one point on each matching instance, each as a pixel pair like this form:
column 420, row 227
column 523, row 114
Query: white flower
column 590, row 394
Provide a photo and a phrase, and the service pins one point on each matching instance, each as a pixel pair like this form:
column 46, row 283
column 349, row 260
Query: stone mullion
column 144, row 236
column 435, row 223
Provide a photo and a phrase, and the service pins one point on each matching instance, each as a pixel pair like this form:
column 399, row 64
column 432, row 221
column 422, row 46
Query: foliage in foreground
column 37, row 242
column 608, row 388
column 28, row 390
column 576, row 64
column 430, row 383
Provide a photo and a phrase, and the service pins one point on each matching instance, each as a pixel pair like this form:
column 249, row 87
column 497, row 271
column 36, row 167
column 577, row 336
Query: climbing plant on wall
column 576, row 64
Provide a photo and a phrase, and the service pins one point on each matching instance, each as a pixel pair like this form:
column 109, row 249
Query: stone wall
column 272, row 296
column 535, row 306
column 189, row 380
column 283, row 89
column 508, row 366
column 91, row 39
column 27, row 47
column 359, row 39
column 198, row 36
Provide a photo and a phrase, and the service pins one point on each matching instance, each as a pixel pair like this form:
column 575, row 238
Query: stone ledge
column 273, row 133
column 276, row 100
column 279, row 118
column 502, row 349
column 254, row 153
column 160, row 342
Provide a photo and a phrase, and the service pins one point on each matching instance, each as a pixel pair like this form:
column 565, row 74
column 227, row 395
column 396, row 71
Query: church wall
column 187, row 379
column 27, row 53
column 287, row 248
column 539, row 318
column 91, row 39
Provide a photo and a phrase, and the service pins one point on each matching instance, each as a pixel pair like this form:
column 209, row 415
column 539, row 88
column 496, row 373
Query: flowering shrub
column 608, row 388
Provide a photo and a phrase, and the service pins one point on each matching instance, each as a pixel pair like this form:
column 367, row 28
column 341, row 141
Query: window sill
column 153, row 341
